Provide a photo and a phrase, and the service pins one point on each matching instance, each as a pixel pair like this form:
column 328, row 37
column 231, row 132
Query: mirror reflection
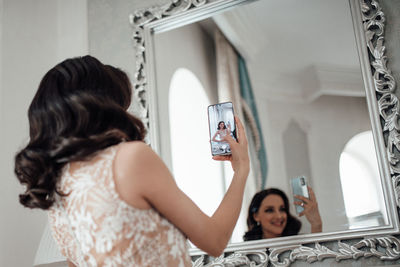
column 292, row 71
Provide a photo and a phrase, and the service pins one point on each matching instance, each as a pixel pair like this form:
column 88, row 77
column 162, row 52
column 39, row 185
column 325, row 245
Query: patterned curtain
column 234, row 85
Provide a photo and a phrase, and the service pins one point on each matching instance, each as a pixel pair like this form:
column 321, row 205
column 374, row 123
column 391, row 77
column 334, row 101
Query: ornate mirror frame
column 380, row 243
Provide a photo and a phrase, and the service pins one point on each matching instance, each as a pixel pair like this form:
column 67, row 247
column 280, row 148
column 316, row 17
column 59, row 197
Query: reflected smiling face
column 272, row 216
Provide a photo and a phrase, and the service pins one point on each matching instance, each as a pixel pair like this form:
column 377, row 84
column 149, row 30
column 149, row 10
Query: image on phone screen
column 221, row 123
column 299, row 187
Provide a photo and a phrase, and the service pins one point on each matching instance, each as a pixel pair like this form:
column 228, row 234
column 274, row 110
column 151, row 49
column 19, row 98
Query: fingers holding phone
column 300, row 193
column 306, row 203
column 311, row 212
column 239, row 156
column 241, row 135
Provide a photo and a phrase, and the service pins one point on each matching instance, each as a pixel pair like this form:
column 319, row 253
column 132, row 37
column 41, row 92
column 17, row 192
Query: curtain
column 227, row 73
column 250, row 110
column 234, row 85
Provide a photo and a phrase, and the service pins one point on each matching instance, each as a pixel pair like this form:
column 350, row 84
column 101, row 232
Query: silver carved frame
column 380, row 243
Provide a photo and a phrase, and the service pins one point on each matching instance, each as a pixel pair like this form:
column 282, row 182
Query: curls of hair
column 79, row 108
column 255, row 231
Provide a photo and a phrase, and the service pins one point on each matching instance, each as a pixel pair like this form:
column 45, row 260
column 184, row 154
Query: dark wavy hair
column 220, row 123
column 293, row 225
column 79, row 108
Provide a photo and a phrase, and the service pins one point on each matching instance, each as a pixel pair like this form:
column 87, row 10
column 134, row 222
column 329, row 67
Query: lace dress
column 93, row 226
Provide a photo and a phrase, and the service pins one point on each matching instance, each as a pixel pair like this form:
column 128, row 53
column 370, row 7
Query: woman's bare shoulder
column 133, row 156
column 132, row 147
column 131, row 166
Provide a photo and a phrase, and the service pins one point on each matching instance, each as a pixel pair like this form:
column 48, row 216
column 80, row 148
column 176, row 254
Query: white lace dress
column 93, row 226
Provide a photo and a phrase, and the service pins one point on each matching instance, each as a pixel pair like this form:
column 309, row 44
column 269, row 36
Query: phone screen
column 221, row 123
column 299, row 187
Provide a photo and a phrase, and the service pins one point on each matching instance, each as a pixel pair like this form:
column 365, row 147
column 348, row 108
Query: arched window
column 359, row 169
column 195, row 172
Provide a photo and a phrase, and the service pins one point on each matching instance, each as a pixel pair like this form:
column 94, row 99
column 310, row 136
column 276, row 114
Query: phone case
column 299, row 187
column 220, row 147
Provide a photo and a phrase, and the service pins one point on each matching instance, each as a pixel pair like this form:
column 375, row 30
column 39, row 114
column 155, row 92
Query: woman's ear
column 255, row 216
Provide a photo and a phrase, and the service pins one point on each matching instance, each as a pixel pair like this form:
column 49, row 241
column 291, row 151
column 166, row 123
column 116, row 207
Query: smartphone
column 221, row 122
column 299, row 187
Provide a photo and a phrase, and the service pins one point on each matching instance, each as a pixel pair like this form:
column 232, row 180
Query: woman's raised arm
column 144, row 181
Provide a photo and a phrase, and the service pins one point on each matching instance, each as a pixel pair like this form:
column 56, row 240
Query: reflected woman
column 269, row 215
column 222, row 131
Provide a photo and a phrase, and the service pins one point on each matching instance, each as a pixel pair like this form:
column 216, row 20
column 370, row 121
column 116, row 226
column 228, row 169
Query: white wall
column 1, row 55
column 110, row 34
column 35, row 35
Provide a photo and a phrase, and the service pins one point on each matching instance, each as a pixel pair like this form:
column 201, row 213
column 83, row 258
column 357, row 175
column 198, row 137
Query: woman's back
column 120, row 206
column 93, row 226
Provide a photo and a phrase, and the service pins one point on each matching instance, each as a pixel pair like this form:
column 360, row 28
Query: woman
column 269, row 215
column 222, row 131
column 111, row 200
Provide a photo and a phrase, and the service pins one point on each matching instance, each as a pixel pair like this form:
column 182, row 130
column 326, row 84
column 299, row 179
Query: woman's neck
column 266, row 235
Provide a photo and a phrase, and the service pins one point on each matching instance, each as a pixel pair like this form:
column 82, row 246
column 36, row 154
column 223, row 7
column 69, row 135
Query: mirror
column 310, row 99
column 316, row 112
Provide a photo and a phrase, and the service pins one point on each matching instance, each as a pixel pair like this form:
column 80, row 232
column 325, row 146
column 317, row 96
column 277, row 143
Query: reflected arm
column 214, row 137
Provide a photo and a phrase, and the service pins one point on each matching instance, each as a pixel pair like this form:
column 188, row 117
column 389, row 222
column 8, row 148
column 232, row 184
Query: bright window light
column 195, row 172
column 359, row 169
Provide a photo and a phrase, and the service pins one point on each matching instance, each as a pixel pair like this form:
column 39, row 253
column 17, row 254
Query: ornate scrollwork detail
column 384, row 248
column 238, row 258
column 385, row 85
column 138, row 19
column 144, row 16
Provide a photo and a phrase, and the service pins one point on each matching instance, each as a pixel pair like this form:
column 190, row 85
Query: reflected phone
column 299, row 187
column 221, row 122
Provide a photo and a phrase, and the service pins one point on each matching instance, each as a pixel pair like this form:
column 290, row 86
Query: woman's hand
column 143, row 180
column 311, row 211
column 240, row 155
